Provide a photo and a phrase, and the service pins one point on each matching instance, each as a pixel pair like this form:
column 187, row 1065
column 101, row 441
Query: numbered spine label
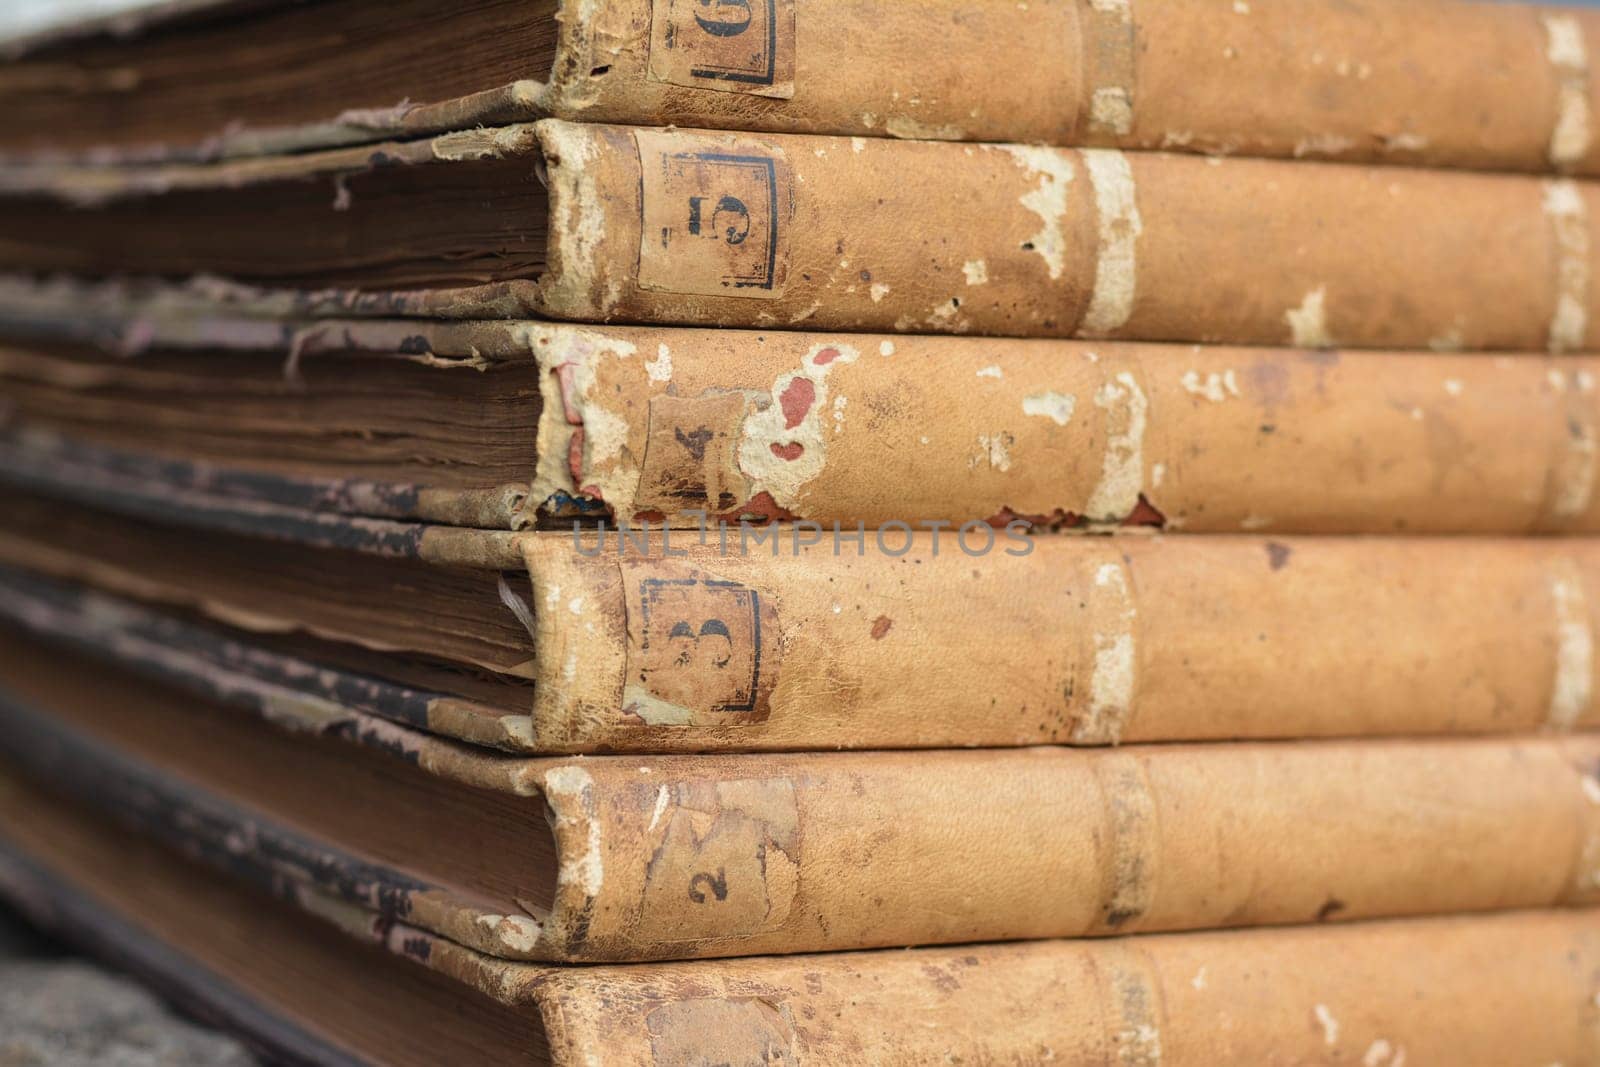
column 702, row 651
column 729, row 46
column 714, row 216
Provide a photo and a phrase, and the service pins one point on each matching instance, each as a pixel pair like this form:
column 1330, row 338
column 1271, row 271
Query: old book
column 618, row 223
column 636, row 858
column 1426, row 82
column 782, row 644
column 519, row 424
column 1477, row 991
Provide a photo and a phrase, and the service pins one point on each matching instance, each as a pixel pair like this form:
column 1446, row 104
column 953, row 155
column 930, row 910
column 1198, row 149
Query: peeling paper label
column 729, row 1032
column 714, row 215
column 691, row 453
column 724, row 861
column 702, row 651
column 728, row 46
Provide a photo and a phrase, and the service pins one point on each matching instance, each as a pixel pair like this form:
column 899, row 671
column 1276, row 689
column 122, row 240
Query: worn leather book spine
column 667, row 425
column 1429, row 82
column 674, row 858
column 793, row 232
column 680, row 426
column 1523, row 676
column 711, row 856
column 1081, row 640
column 1476, row 991
column 790, row 636
column 1423, row 83
column 793, row 637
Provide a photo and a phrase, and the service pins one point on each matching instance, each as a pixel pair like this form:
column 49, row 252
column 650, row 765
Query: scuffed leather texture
column 685, row 857
column 669, row 425
column 1427, row 82
column 1085, row 640
column 1488, row 990
column 792, row 232
column 1478, row 991
column 719, row 856
column 920, row 237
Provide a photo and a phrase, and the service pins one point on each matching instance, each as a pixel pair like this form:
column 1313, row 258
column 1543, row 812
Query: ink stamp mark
column 730, row 46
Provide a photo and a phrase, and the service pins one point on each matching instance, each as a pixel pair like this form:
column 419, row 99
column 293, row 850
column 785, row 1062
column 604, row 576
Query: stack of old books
column 460, row 526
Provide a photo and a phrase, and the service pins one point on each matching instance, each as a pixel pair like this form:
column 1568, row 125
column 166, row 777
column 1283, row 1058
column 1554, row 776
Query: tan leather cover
column 661, row 424
column 1490, row 991
column 1421, row 82
column 710, row 856
column 907, row 640
column 1082, row 641
column 1433, row 82
column 789, row 232
column 674, row 425
column 792, row 232
column 747, row 855
column 1484, row 990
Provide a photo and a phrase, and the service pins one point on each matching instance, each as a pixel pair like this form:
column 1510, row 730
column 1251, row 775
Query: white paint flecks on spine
column 1213, row 387
column 1111, row 110
column 1568, row 213
column 663, row 796
column 1113, row 679
column 1116, row 274
column 996, row 450
column 909, row 129
column 570, row 791
column 1574, row 477
column 1330, row 1025
column 1048, row 200
column 1577, row 485
column 780, row 458
column 1057, row 407
column 1591, row 790
column 660, row 368
column 1308, row 323
column 1572, row 688
column 1382, row 1054
column 1568, row 54
column 1323, row 144
column 575, row 200
column 1122, row 471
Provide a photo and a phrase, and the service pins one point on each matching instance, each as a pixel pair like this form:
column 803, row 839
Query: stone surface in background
column 61, row 1011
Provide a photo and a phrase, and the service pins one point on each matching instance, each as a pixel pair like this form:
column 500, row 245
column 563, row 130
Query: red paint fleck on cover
column 791, row 452
column 760, row 508
column 881, row 627
column 1145, row 514
column 575, row 455
column 797, row 400
column 568, row 388
column 827, row 356
column 1058, row 519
